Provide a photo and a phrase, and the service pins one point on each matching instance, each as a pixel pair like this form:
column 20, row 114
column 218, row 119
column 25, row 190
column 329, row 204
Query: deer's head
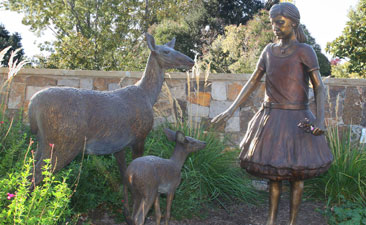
column 189, row 144
column 167, row 57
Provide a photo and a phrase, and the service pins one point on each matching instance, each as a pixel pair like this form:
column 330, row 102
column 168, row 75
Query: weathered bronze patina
column 106, row 122
column 149, row 176
column 284, row 140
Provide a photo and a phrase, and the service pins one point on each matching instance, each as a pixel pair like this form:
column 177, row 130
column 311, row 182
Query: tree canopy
column 351, row 45
column 13, row 40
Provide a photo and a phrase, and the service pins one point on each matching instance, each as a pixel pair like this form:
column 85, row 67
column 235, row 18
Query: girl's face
column 282, row 27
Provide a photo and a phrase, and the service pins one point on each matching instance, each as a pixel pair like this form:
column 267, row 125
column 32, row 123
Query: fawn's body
column 149, row 176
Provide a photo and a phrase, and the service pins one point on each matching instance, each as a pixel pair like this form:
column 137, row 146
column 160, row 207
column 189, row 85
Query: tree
column 205, row 20
column 351, row 45
column 238, row 50
column 324, row 64
column 91, row 34
column 13, row 40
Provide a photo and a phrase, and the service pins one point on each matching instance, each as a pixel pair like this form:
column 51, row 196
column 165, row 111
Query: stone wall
column 200, row 99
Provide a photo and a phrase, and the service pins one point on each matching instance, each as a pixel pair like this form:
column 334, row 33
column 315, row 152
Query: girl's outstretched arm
column 319, row 93
column 245, row 92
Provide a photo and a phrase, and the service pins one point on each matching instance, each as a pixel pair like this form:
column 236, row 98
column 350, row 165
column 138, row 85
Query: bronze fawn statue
column 107, row 122
column 149, row 176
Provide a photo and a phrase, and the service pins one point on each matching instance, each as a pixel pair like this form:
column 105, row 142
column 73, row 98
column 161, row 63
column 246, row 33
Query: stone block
column 200, row 98
column 218, row 91
column 217, row 107
column 200, row 86
column 41, row 81
column 197, row 110
column 352, row 112
column 100, row 84
column 19, row 79
column 69, row 83
column 31, row 90
column 177, row 90
column 113, row 86
column 233, row 90
column 233, row 124
column 16, row 95
column 86, row 83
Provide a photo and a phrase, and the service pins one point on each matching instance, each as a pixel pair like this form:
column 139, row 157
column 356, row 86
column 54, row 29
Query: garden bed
column 235, row 214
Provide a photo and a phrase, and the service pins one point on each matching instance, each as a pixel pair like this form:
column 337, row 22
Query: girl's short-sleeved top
column 287, row 78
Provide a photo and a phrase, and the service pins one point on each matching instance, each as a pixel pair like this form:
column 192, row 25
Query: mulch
column 235, row 214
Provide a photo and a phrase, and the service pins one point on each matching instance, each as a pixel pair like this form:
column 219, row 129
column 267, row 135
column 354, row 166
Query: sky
column 325, row 20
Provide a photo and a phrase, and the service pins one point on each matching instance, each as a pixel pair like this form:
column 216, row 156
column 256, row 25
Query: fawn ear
column 171, row 43
column 150, row 41
column 180, row 137
column 170, row 134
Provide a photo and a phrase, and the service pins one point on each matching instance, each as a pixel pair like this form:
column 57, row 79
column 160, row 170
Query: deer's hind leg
column 143, row 208
column 138, row 148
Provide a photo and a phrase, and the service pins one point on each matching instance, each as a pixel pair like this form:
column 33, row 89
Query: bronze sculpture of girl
column 279, row 144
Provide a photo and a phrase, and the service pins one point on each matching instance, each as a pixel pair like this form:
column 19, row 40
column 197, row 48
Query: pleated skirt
column 274, row 147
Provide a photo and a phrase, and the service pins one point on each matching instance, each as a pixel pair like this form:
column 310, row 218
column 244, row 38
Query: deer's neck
column 152, row 79
column 179, row 156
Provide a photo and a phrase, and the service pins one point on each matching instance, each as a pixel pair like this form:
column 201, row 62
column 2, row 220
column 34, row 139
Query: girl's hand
column 224, row 116
column 316, row 128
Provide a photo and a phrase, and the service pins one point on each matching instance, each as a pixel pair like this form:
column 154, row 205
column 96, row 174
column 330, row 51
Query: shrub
column 46, row 204
column 348, row 213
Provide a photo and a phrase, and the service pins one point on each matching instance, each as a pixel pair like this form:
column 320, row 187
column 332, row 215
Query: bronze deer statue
column 106, row 121
column 149, row 176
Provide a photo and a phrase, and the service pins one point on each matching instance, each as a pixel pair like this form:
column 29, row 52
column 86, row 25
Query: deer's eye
column 166, row 52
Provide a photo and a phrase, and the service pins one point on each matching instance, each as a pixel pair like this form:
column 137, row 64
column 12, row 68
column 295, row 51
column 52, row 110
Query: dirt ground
column 236, row 214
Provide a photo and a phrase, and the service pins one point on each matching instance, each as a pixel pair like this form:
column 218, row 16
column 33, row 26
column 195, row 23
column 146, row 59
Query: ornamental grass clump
column 346, row 178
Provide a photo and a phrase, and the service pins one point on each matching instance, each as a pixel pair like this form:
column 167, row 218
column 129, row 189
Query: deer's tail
column 32, row 118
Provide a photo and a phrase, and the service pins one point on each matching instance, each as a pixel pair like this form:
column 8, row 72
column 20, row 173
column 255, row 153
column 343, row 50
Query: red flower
column 52, row 145
column 1, row 122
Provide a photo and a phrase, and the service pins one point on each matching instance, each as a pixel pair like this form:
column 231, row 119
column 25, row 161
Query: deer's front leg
column 169, row 201
column 157, row 210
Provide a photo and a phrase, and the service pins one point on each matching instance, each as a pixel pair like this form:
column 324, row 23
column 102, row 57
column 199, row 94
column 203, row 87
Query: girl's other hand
column 224, row 116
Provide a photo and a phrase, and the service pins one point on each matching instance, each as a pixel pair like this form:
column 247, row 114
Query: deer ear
column 150, row 41
column 170, row 134
column 180, row 137
column 171, row 43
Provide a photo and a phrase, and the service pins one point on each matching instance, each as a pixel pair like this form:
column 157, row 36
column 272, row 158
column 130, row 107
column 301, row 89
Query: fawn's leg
column 297, row 188
column 169, row 201
column 157, row 210
column 274, row 199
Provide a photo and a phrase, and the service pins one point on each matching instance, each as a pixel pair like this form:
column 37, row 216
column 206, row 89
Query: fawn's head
column 188, row 143
column 168, row 58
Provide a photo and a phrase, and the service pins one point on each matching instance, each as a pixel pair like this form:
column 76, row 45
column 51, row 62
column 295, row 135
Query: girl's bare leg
column 274, row 198
column 297, row 188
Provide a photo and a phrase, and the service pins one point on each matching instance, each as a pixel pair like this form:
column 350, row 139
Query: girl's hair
column 290, row 11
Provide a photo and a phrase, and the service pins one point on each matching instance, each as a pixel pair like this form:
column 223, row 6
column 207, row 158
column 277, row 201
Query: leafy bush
column 346, row 178
column 348, row 213
column 46, row 204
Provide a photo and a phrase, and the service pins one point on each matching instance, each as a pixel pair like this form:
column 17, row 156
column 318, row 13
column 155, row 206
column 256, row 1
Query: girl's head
column 291, row 12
